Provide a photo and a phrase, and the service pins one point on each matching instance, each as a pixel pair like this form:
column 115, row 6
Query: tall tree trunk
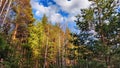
column 63, row 58
column 59, row 56
column 46, row 51
column 45, row 60
column 36, row 63
column 108, row 62
column 15, row 32
column 102, row 37
column 64, row 53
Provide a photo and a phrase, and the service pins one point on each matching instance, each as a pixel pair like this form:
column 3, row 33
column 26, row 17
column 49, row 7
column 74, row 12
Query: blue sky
column 59, row 11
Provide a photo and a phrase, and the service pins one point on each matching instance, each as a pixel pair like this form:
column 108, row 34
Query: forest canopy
column 26, row 42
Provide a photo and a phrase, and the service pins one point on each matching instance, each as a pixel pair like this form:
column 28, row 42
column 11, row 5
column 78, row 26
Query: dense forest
column 28, row 43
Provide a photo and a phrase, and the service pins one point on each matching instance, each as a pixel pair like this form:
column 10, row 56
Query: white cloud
column 56, row 18
column 40, row 8
column 71, row 7
column 51, row 11
column 71, row 18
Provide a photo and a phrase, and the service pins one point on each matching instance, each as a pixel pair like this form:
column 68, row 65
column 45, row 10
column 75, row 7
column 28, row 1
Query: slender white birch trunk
column 7, row 11
column 3, row 7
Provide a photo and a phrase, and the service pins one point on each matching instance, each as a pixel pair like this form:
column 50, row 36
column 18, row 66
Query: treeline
column 40, row 45
column 28, row 43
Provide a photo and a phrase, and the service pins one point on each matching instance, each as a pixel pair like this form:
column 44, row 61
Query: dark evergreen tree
column 102, row 20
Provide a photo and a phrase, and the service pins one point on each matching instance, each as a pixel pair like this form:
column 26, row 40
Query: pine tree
column 102, row 20
column 20, row 17
column 36, row 40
